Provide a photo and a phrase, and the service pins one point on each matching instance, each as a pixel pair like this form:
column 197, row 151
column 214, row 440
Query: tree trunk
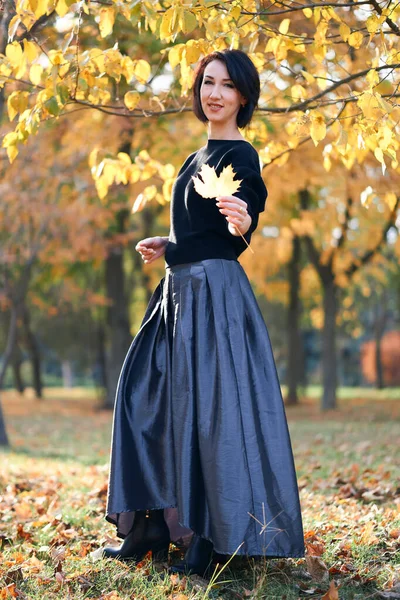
column 11, row 339
column 380, row 384
column 7, row 10
column 293, row 332
column 18, row 380
column 101, row 356
column 34, row 353
column 329, row 362
column 119, row 337
column 16, row 361
column 118, row 321
column 379, row 328
column 4, row 441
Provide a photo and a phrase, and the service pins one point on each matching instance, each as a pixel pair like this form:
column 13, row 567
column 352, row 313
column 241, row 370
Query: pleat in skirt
column 199, row 423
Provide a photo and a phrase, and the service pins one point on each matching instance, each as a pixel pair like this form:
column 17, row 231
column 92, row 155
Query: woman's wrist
column 241, row 229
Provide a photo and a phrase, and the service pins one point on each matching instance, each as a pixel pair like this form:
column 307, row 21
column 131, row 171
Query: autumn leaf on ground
column 332, row 593
column 211, row 186
column 317, row 568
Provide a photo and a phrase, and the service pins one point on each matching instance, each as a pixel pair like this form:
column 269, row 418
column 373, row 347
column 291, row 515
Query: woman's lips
column 214, row 107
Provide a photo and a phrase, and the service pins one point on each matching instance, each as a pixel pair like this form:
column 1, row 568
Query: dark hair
column 244, row 75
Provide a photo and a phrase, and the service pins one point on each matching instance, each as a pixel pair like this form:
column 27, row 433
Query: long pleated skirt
column 199, row 425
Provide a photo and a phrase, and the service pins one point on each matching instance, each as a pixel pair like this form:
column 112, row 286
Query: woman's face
column 220, row 100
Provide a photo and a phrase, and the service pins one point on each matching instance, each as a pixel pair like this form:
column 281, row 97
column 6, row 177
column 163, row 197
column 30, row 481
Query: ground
column 53, row 485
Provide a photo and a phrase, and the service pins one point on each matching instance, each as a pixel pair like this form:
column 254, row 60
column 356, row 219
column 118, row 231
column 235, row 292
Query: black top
column 198, row 230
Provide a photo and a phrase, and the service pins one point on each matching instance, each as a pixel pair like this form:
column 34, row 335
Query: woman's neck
column 221, row 132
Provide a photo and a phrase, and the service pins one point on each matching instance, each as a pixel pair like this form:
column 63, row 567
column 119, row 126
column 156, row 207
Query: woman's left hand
column 235, row 211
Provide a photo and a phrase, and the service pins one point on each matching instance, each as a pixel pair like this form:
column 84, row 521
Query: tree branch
column 388, row 20
column 328, row 90
column 369, row 254
column 345, row 224
column 30, row 34
column 313, row 254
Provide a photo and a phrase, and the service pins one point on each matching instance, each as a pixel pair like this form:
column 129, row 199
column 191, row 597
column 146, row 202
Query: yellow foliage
column 142, row 70
column 16, row 58
column 317, row 317
column 355, row 39
column 175, row 54
column 284, row 26
column 35, row 74
column 107, row 19
column 31, row 51
column 17, row 103
column 62, row 8
column 167, row 189
column 391, row 200
column 131, row 99
column 298, row 92
column 318, row 127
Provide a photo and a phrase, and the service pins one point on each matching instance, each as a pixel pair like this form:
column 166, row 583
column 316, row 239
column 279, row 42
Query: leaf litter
column 52, row 519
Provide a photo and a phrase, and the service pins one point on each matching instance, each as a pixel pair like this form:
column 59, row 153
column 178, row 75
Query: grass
column 53, row 485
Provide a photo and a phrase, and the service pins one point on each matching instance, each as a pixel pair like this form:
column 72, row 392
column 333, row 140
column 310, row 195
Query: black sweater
column 198, row 230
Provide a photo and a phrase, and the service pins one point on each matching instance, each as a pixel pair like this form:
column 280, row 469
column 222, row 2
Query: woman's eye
column 229, row 85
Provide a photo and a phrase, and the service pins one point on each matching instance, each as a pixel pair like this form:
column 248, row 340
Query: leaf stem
column 248, row 245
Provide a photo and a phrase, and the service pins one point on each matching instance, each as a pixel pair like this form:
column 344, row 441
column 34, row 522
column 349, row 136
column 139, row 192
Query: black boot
column 197, row 558
column 148, row 532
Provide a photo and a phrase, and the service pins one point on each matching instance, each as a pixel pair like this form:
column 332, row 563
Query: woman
column 200, row 435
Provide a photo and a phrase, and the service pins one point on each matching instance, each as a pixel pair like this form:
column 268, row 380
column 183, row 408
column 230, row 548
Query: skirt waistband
column 207, row 261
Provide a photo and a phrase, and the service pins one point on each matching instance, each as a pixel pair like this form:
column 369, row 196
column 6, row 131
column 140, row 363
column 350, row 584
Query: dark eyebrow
column 210, row 77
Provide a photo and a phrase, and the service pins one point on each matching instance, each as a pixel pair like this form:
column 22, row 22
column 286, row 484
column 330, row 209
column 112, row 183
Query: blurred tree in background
column 95, row 121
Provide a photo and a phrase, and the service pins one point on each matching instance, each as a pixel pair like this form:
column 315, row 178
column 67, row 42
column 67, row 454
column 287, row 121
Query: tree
column 330, row 77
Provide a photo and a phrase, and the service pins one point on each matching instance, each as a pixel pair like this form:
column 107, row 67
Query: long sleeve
column 198, row 230
column 252, row 190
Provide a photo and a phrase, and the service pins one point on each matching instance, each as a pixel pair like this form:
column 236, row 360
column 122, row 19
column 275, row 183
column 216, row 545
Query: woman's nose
column 215, row 92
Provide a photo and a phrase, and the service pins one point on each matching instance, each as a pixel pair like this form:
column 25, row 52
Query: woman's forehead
column 216, row 68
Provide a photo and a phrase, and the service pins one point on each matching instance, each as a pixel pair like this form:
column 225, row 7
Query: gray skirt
column 199, row 424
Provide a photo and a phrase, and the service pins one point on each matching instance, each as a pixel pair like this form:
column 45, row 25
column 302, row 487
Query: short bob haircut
column 244, row 75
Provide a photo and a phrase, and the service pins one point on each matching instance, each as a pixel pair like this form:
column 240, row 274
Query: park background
column 95, row 122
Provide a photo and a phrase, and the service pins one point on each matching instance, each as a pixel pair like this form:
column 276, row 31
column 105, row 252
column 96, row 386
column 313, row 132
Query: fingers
column 236, row 215
column 149, row 255
column 152, row 242
column 232, row 201
column 232, row 207
column 233, row 212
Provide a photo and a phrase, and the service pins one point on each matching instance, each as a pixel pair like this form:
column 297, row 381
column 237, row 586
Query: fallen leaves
column 317, row 568
column 10, row 591
column 332, row 593
column 349, row 536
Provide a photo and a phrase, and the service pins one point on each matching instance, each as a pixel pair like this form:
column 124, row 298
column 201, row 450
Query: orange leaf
column 23, row 510
column 9, row 592
column 332, row 593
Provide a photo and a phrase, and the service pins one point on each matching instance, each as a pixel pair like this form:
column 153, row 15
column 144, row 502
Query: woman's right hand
column 151, row 248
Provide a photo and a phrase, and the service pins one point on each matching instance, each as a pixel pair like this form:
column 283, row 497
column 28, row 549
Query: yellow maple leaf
column 212, row 186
